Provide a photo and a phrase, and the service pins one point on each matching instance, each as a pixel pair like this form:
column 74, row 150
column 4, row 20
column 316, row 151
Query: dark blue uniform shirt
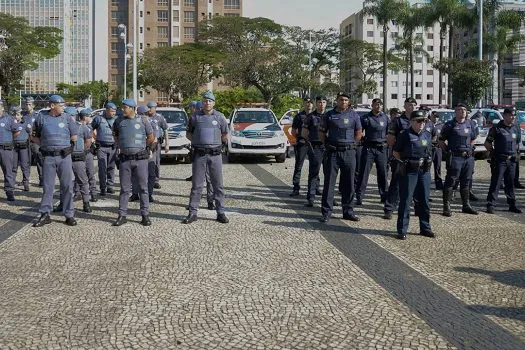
column 412, row 145
column 312, row 123
column 375, row 127
column 506, row 138
column 341, row 126
column 459, row 135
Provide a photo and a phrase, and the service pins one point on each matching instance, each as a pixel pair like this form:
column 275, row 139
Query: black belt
column 340, row 148
column 506, row 156
column 102, row 144
column 464, row 154
column 375, row 144
column 78, row 157
column 7, row 147
column 210, row 151
column 22, row 145
column 63, row 152
column 137, row 156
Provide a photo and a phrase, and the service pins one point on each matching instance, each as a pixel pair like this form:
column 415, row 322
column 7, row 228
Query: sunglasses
column 421, row 121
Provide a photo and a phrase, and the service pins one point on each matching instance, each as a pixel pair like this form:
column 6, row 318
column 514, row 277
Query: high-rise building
column 426, row 91
column 160, row 23
column 82, row 58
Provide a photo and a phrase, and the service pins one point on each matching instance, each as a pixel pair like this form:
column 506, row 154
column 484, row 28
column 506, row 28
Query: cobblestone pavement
column 271, row 279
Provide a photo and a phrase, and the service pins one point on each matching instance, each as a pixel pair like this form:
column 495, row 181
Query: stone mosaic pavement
column 273, row 278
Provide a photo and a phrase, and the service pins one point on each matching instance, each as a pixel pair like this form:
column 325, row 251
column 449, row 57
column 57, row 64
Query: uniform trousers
column 22, row 158
column 415, row 184
column 6, row 163
column 203, row 163
column 52, row 167
column 369, row 157
column 301, row 151
column 333, row 161
column 315, row 160
column 133, row 171
column 502, row 169
column 460, row 168
column 81, row 179
column 106, row 157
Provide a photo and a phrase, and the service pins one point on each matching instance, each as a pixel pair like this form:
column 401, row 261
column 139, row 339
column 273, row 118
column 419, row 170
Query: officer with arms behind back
column 102, row 126
column 339, row 131
column 207, row 131
column 162, row 138
column 22, row 153
column 413, row 155
column 133, row 136
column 502, row 142
column 459, row 133
column 301, row 148
column 56, row 132
column 8, row 131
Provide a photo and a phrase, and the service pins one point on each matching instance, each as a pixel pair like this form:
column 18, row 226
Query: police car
column 485, row 118
column 286, row 122
column 520, row 120
column 177, row 121
column 444, row 114
column 255, row 131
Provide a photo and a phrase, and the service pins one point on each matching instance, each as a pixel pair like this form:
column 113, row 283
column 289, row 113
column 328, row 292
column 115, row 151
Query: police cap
column 111, row 105
column 56, row 99
column 411, row 100
column 508, row 111
column 308, row 99
column 418, row 115
column 85, row 112
column 71, row 111
column 461, row 105
column 377, row 100
column 152, row 104
column 29, row 100
column 199, row 105
column 321, row 98
column 14, row 110
column 130, row 102
column 142, row 109
column 344, row 94
column 208, row 95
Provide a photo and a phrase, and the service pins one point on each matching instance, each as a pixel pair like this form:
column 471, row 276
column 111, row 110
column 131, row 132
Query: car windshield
column 445, row 116
column 254, row 117
column 362, row 113
column 175, row 117
column 520, row 117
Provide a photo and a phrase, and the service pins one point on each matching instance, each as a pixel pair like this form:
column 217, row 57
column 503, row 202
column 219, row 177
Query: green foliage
column 98, row 91
column 284, row 103
column 26, row 47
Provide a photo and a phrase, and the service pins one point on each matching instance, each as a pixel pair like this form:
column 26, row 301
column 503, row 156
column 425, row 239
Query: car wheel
column 232, row 158
column 186, row 160
column 281, row 158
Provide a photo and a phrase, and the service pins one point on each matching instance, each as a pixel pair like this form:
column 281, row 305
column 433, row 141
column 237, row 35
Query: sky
column 308, row 14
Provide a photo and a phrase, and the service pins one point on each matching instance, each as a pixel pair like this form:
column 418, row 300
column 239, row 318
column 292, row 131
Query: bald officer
column 102, row 126
column 56, row 132
column 134, row 136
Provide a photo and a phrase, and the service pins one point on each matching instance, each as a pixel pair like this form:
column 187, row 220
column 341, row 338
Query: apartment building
column 363, row 27
column 83, row 55
column 160, row 23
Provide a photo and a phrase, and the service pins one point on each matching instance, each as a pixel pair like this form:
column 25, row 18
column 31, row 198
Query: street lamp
column 135, row 10
column 124, row 35
column 480, row 40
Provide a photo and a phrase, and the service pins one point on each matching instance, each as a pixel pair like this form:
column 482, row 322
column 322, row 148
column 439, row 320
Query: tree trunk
column 385, row 68
column 450, row 54
column 407, row 74
column 442, row 33
column 500, row 80
column 411, row 61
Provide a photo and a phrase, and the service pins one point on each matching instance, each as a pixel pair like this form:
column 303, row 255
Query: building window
column 189, row 33
column 430, row 97
column 141, row 30
column 175, row 31
column 115, row 31
column 394, row 83
column 430, row 72
column 114, row 47
column 418, row 72
column 430, row 84
column 162, row 2
column 232, row 4
column 176, row 15
column 141, row 14
column 370, row 34
column 404, row 83
column 393, row 96
column 430, row 48
column 419, row 84
column 395, row 34
column 162, row 44
column 430, row 35
column 418, row 96
column 507, row 93
column 162, row 16
column 141, row 46
column 370, row 21
column 118, row 16
column 189, row 16
column 419, row 59
column 230, row 15
column 189, row 2
column 381, row 34
column 162, row 32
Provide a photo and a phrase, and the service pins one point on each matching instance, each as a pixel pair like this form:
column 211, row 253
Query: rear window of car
column 445, row 116
column 254, row 117
column 175, row 117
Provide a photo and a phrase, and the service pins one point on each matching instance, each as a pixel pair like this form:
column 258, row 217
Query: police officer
column 207, row 131
column 437, row 152
column 340, row 129
column 375, row 125
column 134, row 137
column 413, row 153
column 310, row 134
column 85, row 118
column 162, row 138
column 459, row 133
column 22, row 151
column 29, row 113
column 503, row 143
column 397, row 124
column 9, row 130
column 106, row 149
column 301, row 148
column 55, row 132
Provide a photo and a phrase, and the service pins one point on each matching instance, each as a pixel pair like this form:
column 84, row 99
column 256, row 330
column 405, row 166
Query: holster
column 78, row 157
column 63, row 152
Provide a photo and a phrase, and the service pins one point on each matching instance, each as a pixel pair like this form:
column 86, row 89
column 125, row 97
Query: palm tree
column 385, row 11
column 408, row 47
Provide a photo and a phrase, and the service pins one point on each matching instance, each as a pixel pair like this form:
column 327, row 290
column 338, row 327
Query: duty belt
column 23, row 145
column 210, row 151
column 78, row 157
column 137, row 156
column 340, row 148
column 507, row 156
column 375, row 144
column 7, row 147
column 103, row 144
column 62, row 152
column 420, row 163
column 464, row 154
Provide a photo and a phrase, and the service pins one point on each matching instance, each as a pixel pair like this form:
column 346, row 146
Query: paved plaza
column 273, row 278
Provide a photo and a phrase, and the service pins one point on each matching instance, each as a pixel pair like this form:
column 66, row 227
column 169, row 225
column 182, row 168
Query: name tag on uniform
column 514, row 136
column 214, row 122
column 137, row 126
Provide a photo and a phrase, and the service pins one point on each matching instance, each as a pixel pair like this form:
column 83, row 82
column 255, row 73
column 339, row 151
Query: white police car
column 256, row 132
column 177, row 121
column 485, row 118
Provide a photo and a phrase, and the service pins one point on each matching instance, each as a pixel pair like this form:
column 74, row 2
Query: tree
column 26, row 46
column 362, row 61
column 470, row 78
column 179, row 71
column 385, row 11
column 97, row 91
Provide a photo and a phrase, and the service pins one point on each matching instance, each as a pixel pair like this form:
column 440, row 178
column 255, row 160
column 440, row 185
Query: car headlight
column 237, row 133
column 278, row 134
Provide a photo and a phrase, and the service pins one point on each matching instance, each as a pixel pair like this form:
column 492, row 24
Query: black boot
column 134, row 198
column 26, row 186
column 93, row 198
column 189, row 219
column 211, row 206
column 465, row 198
column 513, row 208
column 59, row 208
column 44, row 219
column 145, row 221
column 447, row 197
column 86, row 208
column 121, row 220
column 472, row 196
column 10, row 196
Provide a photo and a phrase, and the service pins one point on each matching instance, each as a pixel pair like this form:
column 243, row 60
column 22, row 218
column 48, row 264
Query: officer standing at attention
column 413, row 153
column 134, row 137
column 162, row 138
column 85, row 118
column 375, row 150
column 503, row 142
column 28, row 112
column 22, row 152
column 459, row 133
column 207, row 131
column 437, row 152
column 310, row 133
column 56, row 132
column 301, row 148
column 397, row 124
column 339, row 131
column 106, row 149
column 9, row 130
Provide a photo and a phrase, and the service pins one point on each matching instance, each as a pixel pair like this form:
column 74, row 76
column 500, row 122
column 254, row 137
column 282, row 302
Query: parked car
column 256, row 132
column 444, row 114
column 177, row 121
column 286, row 124
column 520, row 120
column 485, row 119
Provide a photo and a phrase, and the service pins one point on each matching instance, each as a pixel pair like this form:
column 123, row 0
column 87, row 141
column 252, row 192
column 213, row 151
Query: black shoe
column 77, row 197
column 189, row 219
column 86, row 208
column 222, row 218
column 401, row 236
column 71, row 221
column 430, row 200
column 428, row 234
column 151, row 199
column 103, row 192
column 26, row 187
column 41, row 184
column 59, row 208
column 469, row 210
column 211, row 206
column 383, row 200
column 121, row 220
column 189, row 178
column 110, row 190
column 294, row 194
column 145, row 221
column 515, row 209
column 351, row 217
column 318, row 192
column 336, row 203
column 44, row 219
column 359, row 201
column 157, row 186
column 324, row 219
column 134, row 198
column 519, row 185
column 490, row 210
column 309, row 204
column 387, row 215
column 473, row 197
column 10, row 196
column 93, row 198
